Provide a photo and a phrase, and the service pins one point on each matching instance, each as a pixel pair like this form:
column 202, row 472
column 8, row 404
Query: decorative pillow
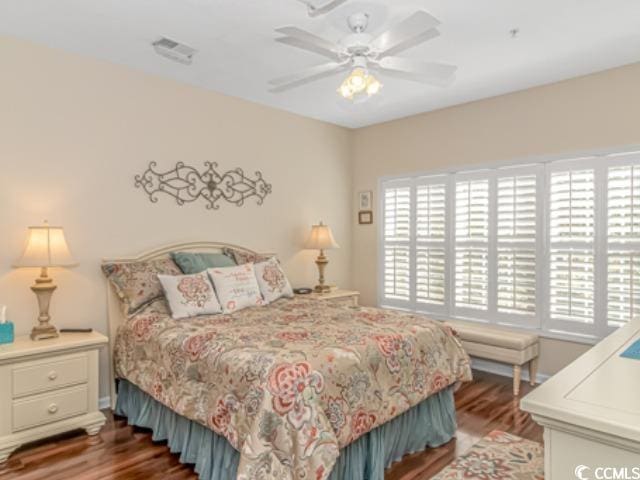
column 190, row 295
column 241, row 257
column 191, row 263
column 272, row 281
column 137, row 283
column 237, row 287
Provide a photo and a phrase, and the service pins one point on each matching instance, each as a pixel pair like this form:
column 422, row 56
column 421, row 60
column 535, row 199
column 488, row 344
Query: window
column 553, row 246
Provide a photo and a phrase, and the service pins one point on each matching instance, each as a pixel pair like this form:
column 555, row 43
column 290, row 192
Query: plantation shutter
column 516, row 244
column 430, row 254
column 472, row 244
column 397, row 238
column 623, row 237
column 572, row 269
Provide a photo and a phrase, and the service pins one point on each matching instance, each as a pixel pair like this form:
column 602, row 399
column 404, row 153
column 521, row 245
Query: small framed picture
column 365, row 200
column 365, row 217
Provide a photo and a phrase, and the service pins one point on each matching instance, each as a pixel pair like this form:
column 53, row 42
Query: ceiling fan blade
column 405, row 32
column 309, row 75
column 439, row 74
column 309, row 47
column 412, row 42
column 314, row 11
column 309, row 41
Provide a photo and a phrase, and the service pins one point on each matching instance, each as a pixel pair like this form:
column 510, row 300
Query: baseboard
column 504, row 370
column 104, row 402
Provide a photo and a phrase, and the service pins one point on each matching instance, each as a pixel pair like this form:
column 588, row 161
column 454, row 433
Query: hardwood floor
column 125, row 452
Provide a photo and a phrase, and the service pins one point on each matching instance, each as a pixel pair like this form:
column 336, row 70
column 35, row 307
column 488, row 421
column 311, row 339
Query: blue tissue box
column 6, row 332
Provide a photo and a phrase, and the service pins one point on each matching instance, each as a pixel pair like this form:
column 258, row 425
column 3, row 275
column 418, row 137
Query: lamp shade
column 46, row 247
column 321, row 238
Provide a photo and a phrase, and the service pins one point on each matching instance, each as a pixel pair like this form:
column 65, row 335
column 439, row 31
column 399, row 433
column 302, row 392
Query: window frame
column 541, row 322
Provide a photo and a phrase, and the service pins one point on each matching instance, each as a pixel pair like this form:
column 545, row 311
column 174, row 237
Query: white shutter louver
column 397, row 235
column 571, row 286
column 430, row 243
column 572, row 212
column 571, row 269
column 516, row 237
column 623, row 292
column 623, row 236
column 516, row 280
column 623, row 210
column 430, row 212
column 430, row 275
column 472, row 210
column 517, row 208
column 472, row 249
column 471, row 273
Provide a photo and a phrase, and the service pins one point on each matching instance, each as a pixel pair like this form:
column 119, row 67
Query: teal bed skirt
column 431, row 423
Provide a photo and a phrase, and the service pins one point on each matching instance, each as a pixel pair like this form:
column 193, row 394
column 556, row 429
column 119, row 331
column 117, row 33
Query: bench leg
column 517, row 372
column 533, row 371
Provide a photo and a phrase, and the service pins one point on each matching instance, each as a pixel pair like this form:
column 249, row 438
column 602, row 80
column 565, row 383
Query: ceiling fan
column 361, row 53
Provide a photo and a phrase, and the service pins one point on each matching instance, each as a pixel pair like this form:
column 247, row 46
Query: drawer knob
column 53, row 375
column 53, row 408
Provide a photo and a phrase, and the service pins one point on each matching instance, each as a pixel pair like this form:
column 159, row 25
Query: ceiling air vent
column 174, row 50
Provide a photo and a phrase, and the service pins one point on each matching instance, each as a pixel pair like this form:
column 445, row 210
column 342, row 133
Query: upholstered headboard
column 115, row 314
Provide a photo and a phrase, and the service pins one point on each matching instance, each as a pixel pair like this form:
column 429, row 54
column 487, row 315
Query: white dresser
column 48, row 387
column 590, row 412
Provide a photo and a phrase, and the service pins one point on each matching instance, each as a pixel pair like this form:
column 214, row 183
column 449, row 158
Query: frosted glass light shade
column 321, row 238
column 46, row 247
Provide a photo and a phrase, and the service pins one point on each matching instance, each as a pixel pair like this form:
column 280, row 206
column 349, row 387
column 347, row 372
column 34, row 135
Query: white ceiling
column 558, row 39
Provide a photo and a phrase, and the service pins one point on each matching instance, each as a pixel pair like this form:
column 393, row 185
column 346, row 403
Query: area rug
column 498, row 456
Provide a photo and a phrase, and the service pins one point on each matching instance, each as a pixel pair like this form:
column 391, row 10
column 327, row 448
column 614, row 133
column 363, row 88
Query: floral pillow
column 237, row 287
column 241, row 256
column 137, row 283
column 272, row 281
column 190, row 295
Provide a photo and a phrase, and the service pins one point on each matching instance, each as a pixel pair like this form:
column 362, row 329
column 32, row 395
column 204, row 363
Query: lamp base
column 42, row 332
column 43, row 288
column 322, row 289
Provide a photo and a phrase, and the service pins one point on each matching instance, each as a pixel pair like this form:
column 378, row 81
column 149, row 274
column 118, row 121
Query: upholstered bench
column 501, row 345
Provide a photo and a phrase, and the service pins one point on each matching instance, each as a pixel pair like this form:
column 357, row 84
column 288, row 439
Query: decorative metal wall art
column 186, row 184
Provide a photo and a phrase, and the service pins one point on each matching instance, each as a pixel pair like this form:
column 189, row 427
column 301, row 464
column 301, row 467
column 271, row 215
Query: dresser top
column 599, row 391
column 23, row 346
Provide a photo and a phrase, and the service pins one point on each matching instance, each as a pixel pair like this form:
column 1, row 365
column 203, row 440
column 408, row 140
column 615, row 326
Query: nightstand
column 48, row 387
column 349, row 297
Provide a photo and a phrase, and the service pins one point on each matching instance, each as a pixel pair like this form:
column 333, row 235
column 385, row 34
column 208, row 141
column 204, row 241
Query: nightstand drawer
column 49, row 407
column 43, row 376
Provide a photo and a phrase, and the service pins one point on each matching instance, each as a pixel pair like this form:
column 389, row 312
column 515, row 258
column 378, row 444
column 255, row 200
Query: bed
column 297, row 389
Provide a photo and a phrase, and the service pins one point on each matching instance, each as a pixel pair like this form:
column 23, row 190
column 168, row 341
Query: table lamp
column 321, row 239
column 46, row 247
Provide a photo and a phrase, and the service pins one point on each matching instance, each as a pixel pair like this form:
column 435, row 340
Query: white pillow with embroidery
column 237, row 287
column 190, row 295
column 272, row 281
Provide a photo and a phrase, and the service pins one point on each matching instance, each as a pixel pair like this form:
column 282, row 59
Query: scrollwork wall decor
column 187, row 184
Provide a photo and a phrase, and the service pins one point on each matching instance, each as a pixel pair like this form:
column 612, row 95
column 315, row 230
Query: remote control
column 76, row 330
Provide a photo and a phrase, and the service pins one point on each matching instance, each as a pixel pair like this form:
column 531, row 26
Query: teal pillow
column 191, row 263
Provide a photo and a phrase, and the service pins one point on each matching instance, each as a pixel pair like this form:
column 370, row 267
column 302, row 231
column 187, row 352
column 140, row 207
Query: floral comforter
column 291, row 383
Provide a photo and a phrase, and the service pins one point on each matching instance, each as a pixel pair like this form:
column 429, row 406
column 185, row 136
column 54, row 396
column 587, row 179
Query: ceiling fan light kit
column 360, row 85
column 362, row 53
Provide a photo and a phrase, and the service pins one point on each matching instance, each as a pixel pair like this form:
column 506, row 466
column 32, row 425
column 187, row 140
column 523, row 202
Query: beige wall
column 75, row 131
column 593, row 112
